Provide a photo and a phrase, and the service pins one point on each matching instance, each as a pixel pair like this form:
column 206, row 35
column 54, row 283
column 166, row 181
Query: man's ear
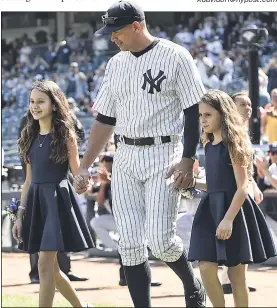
column 136, row 26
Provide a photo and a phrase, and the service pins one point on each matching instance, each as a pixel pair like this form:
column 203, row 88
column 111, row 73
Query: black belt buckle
column 137, row 141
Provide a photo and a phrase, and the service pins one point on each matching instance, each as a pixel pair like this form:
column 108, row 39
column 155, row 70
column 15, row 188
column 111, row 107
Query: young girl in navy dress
column 228, row 228
column 49, row 219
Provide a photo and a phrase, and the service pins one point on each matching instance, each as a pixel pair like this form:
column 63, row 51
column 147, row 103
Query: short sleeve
column 105, row 102
column 189, row 85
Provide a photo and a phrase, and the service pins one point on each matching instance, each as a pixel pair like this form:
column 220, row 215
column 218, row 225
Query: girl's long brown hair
column 234, row 135
column 62, row 124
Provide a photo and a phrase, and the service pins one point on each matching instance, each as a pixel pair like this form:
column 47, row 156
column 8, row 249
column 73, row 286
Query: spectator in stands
column 220, row 30
column 100, row 47
column 39, row 66
column 49, row 55
column 269, row 118
column 97, row 80
column 12, row 101
column 77, row 85
column 91, row 195
column 212, row 81
column 252, row 20
column 72, row 40
column 225, row 65
column 25, row 52
column 202, row 67
column 240, row 65
column 184, row 38
column 62, row 58
column 271, row 71
column 105, row 223
column 264, row 97
column 80, row 132
column 266, row 171
column 207, row 29
column 214, row 48
column 60, row 79
column 199, row 32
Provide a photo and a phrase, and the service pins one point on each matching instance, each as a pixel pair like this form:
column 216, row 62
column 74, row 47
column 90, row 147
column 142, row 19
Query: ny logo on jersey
column 155, row 83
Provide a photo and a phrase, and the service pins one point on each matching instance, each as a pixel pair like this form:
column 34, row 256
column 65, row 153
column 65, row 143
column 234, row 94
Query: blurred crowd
column 78, row 63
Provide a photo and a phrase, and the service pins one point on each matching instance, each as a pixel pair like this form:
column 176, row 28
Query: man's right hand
column 81, row 181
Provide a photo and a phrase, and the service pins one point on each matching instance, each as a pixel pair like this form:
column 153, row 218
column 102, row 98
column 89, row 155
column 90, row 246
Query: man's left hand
column 183, row 173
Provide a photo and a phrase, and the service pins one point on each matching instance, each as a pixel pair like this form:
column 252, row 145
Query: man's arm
column 190, row 89
column 191, row 131
column 101, row 130
column 103, row 127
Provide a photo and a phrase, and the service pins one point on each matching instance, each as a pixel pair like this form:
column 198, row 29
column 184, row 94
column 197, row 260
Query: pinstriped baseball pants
column 145, row 204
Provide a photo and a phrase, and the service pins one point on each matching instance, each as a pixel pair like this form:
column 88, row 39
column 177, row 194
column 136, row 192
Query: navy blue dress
column 251, row 240
column 52, row 220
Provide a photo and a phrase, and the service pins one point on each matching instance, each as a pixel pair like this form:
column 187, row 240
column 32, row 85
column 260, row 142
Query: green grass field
column 11, row 300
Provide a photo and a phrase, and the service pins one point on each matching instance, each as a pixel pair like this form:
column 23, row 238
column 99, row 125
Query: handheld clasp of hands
column 82, row 179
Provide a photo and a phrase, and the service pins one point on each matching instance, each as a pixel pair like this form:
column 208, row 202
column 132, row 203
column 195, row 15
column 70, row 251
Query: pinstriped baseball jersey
column 148, row 93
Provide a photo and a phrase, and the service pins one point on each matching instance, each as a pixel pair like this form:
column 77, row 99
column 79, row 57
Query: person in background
column 266, row 171
column 77, row 84
column 271, row 71
column 105, row 223
column 78, row 126
column 62, row 56
column 269, row 118
column 264, row 97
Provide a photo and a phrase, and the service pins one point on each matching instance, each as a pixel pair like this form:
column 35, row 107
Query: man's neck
column 143, row 42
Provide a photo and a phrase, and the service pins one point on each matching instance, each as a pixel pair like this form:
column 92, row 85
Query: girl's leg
column 237, row 275
column 64, row 286
column 47, row 278
column 211, row 282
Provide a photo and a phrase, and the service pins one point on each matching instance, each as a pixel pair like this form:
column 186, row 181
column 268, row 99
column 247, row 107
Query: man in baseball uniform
column 150, row 89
